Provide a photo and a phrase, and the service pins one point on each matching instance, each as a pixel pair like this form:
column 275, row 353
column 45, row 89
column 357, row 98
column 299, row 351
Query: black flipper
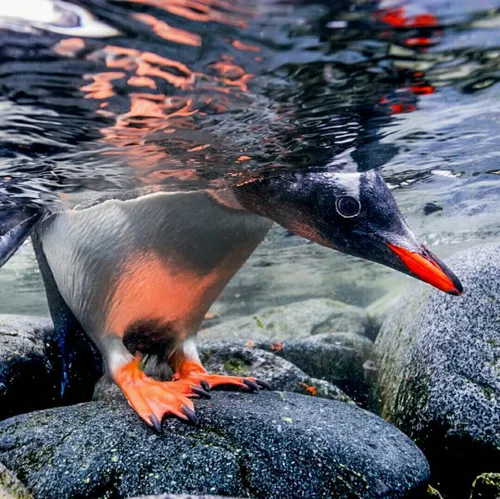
column 16, row 224
column 74, row 357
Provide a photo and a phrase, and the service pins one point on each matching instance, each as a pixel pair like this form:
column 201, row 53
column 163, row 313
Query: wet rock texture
column 26, row 379
column 235, row 360
column 338, row 358
column 260, row 445
column 11, row 487
column 180, row 496
column 486, row 486
column 439, row 371
column 296, row 320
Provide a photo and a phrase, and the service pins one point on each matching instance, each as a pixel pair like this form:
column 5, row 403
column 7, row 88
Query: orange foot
column 152, row 399
column 192, row 373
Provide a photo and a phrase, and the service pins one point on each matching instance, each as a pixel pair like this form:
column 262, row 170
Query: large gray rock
column 439, row 371
column 260, row 445
column 26, row 378
column 296, row 320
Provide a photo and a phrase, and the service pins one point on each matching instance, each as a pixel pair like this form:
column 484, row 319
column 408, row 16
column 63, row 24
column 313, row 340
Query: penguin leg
column 189, row 370
column 151, row 399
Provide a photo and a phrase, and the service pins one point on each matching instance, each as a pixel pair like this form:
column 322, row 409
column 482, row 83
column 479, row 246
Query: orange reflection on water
column 69, row 47
column 232, row 74
column 159, row 133
column 167, row 32
column 233, row 13
column 101, row 87
column 141, row 81
column 244, row 46
column 148, row 64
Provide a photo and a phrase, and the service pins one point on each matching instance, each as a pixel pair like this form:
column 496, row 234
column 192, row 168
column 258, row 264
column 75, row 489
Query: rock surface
column 486, row 486
column 296, row 320
column 335, row 357
column 180, row 496
column 26, row 379
column 228, row 358
column 262, row 445
column 11, row 487
column 223, row 357
column 439, row 371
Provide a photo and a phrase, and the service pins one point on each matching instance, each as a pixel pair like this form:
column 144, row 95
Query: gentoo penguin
column 139, row 274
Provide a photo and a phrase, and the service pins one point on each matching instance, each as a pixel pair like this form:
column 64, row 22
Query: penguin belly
column 140, row 274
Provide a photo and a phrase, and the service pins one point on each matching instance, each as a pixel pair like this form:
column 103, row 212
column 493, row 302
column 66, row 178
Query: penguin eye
column 348, row 207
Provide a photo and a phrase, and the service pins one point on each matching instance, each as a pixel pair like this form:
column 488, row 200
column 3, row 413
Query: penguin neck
column 227, row 198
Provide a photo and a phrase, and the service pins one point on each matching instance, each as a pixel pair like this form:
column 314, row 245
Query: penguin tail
column 17, row 222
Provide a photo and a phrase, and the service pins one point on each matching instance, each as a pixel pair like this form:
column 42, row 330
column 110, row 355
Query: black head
column 351, row 212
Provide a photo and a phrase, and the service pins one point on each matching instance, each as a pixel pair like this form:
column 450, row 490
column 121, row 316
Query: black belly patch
column 151, row 337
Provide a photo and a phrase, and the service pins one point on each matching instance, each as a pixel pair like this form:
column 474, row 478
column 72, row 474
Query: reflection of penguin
column 138, row 275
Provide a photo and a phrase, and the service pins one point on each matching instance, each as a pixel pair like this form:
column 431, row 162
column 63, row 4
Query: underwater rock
column 237, row 360
column 296, row 320
column 26, row 379
column 439, row 371
column 486, row 486
column 10, row 486
column 265, row 444
column 182, row 496
column 335, row 357
column 378, row 309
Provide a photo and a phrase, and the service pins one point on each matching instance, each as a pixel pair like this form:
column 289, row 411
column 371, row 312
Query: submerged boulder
column 26, row 377
column 224, row 357
column 296, row 320
column 338, row 358
column 439, row 371
column 235, row 360
column 266, row 444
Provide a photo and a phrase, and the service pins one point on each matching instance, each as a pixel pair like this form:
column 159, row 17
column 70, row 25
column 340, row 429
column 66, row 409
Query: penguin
column 138, row 273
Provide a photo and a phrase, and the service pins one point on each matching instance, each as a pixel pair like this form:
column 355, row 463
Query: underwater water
column 98, row 97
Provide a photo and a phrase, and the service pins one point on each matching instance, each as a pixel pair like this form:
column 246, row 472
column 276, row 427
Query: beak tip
column 458, row 290
column 428, row 268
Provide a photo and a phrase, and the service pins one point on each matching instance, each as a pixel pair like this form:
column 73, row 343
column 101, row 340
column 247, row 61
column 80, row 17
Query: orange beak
column 430, row 269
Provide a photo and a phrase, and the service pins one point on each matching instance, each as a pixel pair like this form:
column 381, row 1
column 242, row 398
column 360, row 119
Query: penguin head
column 354, row 213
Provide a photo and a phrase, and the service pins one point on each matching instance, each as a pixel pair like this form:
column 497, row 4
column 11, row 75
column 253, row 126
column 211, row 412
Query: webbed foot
column 152, row 399
column 192, row 373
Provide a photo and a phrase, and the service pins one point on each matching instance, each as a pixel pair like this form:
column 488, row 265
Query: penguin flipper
column 16, row 224
column 73, row 356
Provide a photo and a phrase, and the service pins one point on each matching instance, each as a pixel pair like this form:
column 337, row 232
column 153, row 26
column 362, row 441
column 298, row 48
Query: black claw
column 154, row 421
column 190, row 414
column 200, row 392
column 263, row 384
column 252, row 385
column 204, row 384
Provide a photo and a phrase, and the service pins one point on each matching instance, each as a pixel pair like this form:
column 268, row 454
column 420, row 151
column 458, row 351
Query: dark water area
column 100, row 97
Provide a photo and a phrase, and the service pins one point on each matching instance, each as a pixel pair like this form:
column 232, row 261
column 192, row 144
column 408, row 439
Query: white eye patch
column 348, row 183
